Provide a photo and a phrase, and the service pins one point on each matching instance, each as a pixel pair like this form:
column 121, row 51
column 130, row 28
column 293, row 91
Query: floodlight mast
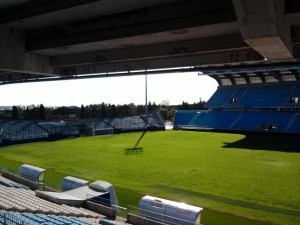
column 146, row 98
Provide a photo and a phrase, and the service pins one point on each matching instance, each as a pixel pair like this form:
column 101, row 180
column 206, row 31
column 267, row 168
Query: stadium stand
column 257, row 96
column 9, row 183
column 96, row 197
column 98, row 124
column 215, row 119
column 221, row 97
column 152, row 121
column 263, row 121
column 24, row 200
column 15, row 131
column 20, row 205
column 184, row 118
column 59, row 130
column 257, row 100
column 15, row 218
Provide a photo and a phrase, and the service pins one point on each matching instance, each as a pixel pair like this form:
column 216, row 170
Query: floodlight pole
column 146, row 95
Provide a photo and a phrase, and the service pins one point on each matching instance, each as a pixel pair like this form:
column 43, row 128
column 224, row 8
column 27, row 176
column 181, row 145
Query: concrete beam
column 265, row 28
column 133, row 42
column 221, row 58
column 36, row 8
column 14, row 58
column 292, row 6
column 149, row 21
column 38, row 14
column 225, row 43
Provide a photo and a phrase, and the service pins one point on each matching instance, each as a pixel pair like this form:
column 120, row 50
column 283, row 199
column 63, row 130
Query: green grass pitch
column 251, row 176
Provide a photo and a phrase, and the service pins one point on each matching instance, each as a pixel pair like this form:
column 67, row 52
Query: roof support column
column 14, row 58
column 265, row 28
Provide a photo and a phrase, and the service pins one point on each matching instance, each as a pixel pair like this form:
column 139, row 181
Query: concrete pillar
column 264, row 28
column 14, row 58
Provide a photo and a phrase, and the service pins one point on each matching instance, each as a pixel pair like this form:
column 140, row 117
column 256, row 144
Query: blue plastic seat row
column 260, row 96
column 1, row 217
column 13, row 218
column 108, row 222
column 14, row 185
column 78, row 221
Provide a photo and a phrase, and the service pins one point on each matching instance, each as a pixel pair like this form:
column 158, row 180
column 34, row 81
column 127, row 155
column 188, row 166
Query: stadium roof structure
column 254, row 74
column 42, row 40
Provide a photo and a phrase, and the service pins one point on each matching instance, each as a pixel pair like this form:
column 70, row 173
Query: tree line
column 103, row 110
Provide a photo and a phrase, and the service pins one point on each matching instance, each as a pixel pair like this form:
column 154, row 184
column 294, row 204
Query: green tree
column 103, row 110
column 42, row 112
column 27, row 113
column 113, row 111
column 82, row 112
column 164, row 113
column 15, row 112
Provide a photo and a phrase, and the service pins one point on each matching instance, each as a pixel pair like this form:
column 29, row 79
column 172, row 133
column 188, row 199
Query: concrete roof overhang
column 43, row 39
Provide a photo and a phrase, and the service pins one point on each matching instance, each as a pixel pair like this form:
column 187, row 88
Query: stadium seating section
column 127, row 124
column 259, row 96
column 247, row 108
column 21, row 130
column 12, row 132
column 20, row 205
column 14, row 218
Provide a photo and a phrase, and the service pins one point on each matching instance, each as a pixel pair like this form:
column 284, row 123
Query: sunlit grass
column 229, row 172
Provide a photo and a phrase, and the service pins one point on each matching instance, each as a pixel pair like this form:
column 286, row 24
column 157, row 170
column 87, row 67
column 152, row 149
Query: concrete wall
column 13, row 56
column 21, row 180
column 101, row 209
column 137, row 220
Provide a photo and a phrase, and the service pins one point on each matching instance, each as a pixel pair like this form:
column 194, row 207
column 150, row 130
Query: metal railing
column 158, row 216
column 120, row 211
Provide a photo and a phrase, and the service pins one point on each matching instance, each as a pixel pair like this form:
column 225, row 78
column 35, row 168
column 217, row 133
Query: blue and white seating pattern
column 57, row 127
column 12, row 184
column 22, row 200
column 126, row 123
column 255, row 96
column 21, row 130
column 284, row 122
column 254, row 108
column 14, row 218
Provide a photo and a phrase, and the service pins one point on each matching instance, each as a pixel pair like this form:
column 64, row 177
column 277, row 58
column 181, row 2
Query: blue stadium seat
column 183, row 117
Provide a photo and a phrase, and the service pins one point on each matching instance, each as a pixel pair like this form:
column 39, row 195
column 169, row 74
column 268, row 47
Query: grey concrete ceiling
column 11, row 3
column 55, row 38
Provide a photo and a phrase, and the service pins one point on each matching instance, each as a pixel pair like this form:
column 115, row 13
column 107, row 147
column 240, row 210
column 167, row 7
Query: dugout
column 32, row 173
column 110, row 198
column 169, row 211
column 69, row 183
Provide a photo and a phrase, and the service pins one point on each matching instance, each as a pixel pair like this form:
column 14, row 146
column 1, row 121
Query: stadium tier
column 184, row 117
column 265, row 107
column 97, row 124
column 126, row 124
column 58, row 130
column 13, row 132
column 14, row 218
column 81, row 203
column 260, row 96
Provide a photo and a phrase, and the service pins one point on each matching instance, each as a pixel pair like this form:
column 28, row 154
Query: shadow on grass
column 240, row 203
column 270, row 142
column 130, row 151
column 135, row 149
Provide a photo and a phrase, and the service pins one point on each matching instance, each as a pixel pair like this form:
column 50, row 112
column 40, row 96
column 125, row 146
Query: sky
column 175, row 88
